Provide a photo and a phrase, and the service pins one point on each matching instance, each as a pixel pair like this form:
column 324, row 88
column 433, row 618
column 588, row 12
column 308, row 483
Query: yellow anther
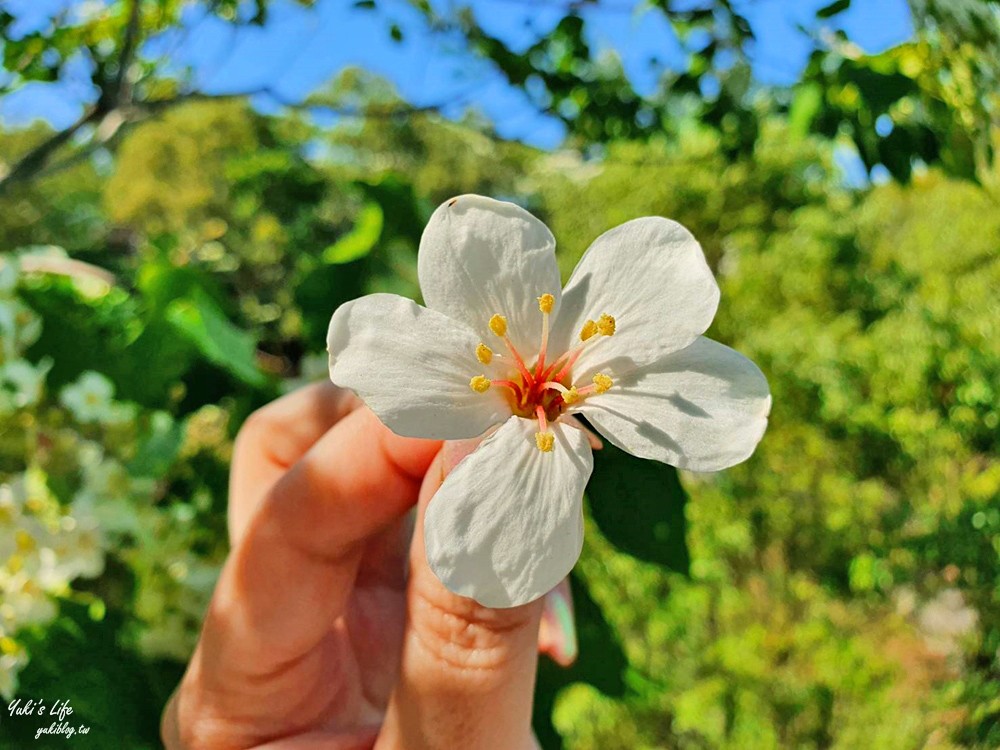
column 606, row 325
column 588, row 330
column 484, row 354
column 480, row 384
column 545, row 303
column 545, row 441
column 571, row 396
column 603, row 382
column 498, row 324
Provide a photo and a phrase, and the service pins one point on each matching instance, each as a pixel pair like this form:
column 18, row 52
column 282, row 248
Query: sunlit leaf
column 201, row 321
column 601, row 663
column 361, row 240
column 805, row 106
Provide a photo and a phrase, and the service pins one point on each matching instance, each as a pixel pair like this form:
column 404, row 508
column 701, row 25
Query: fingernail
column 557, row 632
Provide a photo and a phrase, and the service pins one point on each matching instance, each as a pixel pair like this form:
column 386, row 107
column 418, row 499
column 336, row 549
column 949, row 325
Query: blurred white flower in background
column 22, row 384
column 90, row 399
column 43, row 549
column 47, row 542
column 20, row 327
column 8, row 276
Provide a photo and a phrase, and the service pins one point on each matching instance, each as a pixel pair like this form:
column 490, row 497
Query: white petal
column 703, row 408
column 412, row 367
column 507, row 524
column 651, row 275
column 479, row 257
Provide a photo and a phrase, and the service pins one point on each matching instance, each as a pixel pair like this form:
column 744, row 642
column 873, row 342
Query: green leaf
column 200, row 321
column 833, row 9
column 805, row 106
column 159, row 447
column 639, row 507
column 75, row 658
column 601, row 662
column 359, row 241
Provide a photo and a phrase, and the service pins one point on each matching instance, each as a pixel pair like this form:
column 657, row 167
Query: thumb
column 467, row 676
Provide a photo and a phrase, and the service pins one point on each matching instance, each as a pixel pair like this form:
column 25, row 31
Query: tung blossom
column 501, row 345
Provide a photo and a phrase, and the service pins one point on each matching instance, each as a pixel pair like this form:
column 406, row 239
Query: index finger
column 273, row 438
column 289, row 577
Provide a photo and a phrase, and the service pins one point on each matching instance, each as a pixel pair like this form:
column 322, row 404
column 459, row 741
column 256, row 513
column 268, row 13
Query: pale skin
column 327, row 628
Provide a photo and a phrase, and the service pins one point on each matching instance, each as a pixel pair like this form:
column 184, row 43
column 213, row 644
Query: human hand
column 316, row 636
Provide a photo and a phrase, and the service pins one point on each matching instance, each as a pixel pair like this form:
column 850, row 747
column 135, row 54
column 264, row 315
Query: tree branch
column 38, row 157
column 112, row 124
column 129, row 45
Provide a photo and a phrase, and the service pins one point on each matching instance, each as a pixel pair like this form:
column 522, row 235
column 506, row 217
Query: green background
column 841, row 589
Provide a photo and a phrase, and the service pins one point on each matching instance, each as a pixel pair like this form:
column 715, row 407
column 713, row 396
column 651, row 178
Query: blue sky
column 301, row 49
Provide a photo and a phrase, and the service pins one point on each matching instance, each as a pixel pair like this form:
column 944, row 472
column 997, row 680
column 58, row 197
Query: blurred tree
column 838, row 590
column 932, row 101
column 560, row 72
column 129, row 86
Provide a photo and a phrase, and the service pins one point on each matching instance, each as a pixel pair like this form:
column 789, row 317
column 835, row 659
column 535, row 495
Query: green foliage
column 639, row 507
column 838, row 590
column 938, row 96
column 359, row 241
column 200, row 321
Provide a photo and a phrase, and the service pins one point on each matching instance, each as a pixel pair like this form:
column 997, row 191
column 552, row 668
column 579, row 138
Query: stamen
column 519, row 363
column 602, row 382
column 543, row 438
column 573, row 356
column 606, row 325
column 498, row 324
column 545, row 303
column 571, row 396
column 484, row 354
column 544, row 441
column 480, row 384
column 553, row 385
column 518, row 393
column 543, row 422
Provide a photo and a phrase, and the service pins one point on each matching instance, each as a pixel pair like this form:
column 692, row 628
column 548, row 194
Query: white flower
column 89, row 399
column 500, row 344
column 22, row 383
column 20, row 327
column 9, row 272
column 13, row 658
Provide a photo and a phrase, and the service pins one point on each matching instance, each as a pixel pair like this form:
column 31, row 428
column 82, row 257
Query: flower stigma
column 546, row 389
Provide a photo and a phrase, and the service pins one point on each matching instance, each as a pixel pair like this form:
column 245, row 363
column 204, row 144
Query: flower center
column 545, row 390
